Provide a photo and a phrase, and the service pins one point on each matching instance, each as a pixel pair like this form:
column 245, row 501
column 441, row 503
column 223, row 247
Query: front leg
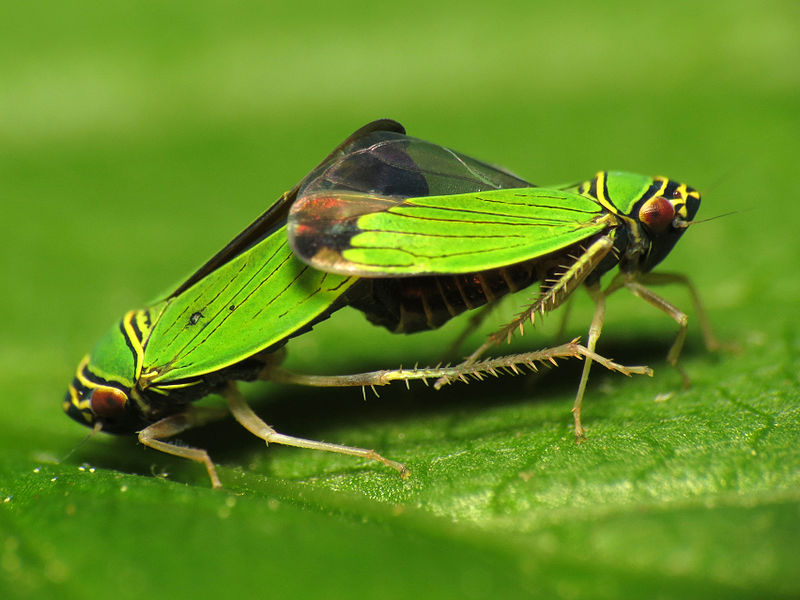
column 710, row 340
column 673, row 311
column 153, row 435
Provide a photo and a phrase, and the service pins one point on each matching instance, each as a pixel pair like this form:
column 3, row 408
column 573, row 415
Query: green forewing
column 459, row 233
column 250, row 303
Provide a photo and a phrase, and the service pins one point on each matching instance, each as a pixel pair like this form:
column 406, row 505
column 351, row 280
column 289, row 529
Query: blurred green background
column 137, row 138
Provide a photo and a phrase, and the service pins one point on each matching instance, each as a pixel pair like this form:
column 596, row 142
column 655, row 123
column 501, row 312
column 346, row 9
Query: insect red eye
column 108, row 402
column 657, row 213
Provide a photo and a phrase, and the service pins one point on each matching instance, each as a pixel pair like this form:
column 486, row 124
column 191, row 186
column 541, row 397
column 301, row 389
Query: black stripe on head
column 128, row 342
column 606, row 195
column 654, row 189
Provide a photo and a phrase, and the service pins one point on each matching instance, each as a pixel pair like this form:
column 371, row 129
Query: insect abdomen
column 420, row 303
column 411, row 304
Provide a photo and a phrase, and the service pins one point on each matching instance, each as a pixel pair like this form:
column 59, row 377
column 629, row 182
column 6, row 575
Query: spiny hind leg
column 153, row 436
column 554, row 295
column 465, row 372
column 254, row 424
column 511, row 364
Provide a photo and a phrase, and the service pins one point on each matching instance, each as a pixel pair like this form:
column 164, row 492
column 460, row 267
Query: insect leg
column 680, row 317
column 711, row 342
column 510, row 364
column 568, row 281
column 572, row 277
column 253, row 423
column 153, row 435
column 599, row 297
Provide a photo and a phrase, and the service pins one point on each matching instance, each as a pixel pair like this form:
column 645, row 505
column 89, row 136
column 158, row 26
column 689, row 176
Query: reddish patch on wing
column 337, row 207
column 312, row 205
column 303, row 229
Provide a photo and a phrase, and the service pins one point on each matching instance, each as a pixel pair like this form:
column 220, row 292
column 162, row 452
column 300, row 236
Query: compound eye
column 657, row 213
column 108, row 402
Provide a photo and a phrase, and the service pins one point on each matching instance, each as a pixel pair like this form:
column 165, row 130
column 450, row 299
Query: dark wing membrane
column 373, row 173
column 389, row 163
column 275, row 216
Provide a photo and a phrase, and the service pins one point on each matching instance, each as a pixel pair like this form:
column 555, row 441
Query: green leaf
column 136, row 141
